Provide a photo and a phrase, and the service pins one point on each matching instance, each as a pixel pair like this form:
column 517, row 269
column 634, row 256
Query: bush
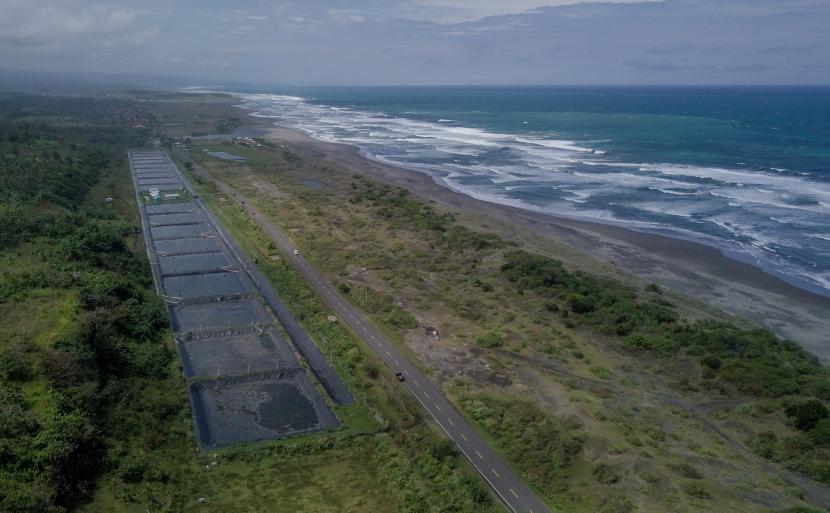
column 14, row 365
column 132, row 470
column 820, row 434
column 697, row 490
column 541, row 446
column 765, row 444
column 606, row 474
column 443, row 449
column 490, row 340
column 686, row 470
column 581, row 304
column 401, row 319
column 806, row 414
column 618, row 505
column 371, row 370
column 601, row 372
column 755, row 361
column 647, row 342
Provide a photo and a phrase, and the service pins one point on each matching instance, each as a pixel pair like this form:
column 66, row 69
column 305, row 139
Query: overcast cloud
column 426, row 41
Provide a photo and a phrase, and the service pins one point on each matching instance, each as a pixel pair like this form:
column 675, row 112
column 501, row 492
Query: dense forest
column 81, row 324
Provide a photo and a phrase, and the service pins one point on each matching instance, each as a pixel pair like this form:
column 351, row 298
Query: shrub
column 806, row 414
column 581, row 304
column 606, row 474
column 371, row 370
column 401, row 319
column 14, row 365
column 618, row 505
column 755, row 361
column 647, row 342
column 765, row 444
column 132, row 470
column 443, row 449
column 820, row 434
column 541, row 446
column 490, row 340
column 601, row 372
column 697, row 490
column 686, row 470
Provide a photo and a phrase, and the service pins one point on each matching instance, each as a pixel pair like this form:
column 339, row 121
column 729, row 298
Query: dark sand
column 699, row 271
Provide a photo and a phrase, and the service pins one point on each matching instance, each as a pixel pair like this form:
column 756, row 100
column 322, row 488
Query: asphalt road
column 507, row 485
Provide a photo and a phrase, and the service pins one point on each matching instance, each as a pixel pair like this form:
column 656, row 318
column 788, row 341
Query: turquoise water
column 744, row 169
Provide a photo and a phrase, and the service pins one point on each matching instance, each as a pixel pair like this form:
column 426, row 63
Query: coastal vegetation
column 82, row 329
column 620, row 385
column 753, row 360
column 605, row 393
column 93, row 411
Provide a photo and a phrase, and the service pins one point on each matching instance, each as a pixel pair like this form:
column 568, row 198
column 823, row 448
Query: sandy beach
column 697, row 270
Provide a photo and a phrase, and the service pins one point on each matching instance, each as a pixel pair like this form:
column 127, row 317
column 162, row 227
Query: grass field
column 579, row 376
column 93, row 411
column 626, row 430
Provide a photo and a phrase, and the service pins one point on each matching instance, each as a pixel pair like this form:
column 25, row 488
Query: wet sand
column 696, row 270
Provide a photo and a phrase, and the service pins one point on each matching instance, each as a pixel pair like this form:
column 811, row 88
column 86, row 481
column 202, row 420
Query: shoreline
column 697, row 270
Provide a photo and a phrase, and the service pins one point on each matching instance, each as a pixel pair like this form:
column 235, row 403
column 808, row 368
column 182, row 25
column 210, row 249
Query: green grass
column 53, row 309
column 379, row 460
column 350, row 356
column 638, row 408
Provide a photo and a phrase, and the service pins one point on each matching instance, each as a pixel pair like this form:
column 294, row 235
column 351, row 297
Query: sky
column 425, row 42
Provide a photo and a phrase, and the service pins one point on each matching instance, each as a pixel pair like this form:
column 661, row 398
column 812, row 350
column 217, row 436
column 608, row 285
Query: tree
column 807, row 414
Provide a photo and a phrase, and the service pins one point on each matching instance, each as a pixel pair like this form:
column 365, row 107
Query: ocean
column 746, row 170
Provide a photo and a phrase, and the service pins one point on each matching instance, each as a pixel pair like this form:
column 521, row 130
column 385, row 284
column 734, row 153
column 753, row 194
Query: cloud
column 467, row 10
column 670, row 48
column 744, row 68
column 661, row 66
column 426, row 41
column 39, row 22
column 345, row 16
column 791, row 48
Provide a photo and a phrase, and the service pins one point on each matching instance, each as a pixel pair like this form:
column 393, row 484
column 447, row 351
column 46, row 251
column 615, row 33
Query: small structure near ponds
column 226, row 156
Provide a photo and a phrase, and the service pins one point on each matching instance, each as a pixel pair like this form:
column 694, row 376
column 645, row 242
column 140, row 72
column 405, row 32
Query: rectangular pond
column 203, row 285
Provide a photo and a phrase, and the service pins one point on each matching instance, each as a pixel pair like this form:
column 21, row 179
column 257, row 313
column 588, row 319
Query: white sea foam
column 550, row 143
column 750, row 210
